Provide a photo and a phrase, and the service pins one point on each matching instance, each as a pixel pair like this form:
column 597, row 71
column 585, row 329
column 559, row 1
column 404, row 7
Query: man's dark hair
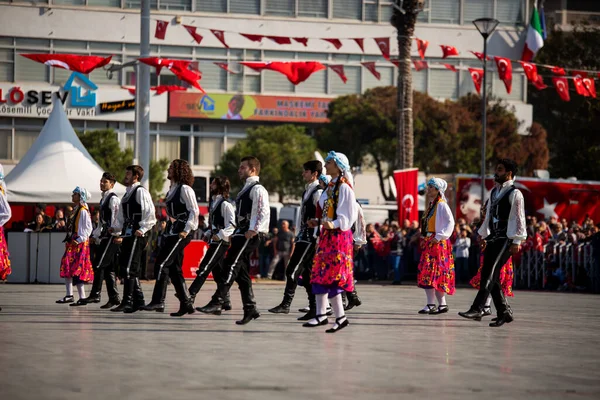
column 136, row 170
column 509, row 165
column 253, row 163
column 314, row 166
column 109, row 177
column 223, row 185
column 182, row 173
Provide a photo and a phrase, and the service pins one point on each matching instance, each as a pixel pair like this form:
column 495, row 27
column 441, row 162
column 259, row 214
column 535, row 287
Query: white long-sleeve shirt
column 142, row 196
column 261, row 211
column 360, row 232
column 114, row 204
column 228, row 213
column 188, row 197
column 5, row 211
column 516, row 230
column 84, row 229
column 346, row 211
column 444, row 221
column 461, row 247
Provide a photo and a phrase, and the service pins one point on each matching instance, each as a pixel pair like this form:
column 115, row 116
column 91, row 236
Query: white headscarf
column 84, row 194
column 2, row 183
column 439, row 184
column 343, row 164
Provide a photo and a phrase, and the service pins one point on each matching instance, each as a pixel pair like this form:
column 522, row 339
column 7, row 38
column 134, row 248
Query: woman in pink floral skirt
column 5, row 215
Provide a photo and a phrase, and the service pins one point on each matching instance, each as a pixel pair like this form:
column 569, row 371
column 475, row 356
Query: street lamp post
column 485, row 26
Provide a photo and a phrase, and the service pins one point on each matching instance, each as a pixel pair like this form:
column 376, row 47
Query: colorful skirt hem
column 436, row 267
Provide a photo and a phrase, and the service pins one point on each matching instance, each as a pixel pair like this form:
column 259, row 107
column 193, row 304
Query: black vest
column 243, row 205
column 308, row 211
column 216, row 220
column 132, row 211
column 499, row 213
column 106, row 214
column 71, row 232
column 177, row 210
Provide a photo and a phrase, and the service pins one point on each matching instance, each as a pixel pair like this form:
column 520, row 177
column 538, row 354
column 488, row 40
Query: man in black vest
column 252, row 222
column 183, row 212
column 105, row 258
column 221, row 224
column 503, row 230
column 300, row 263
column 135, row 220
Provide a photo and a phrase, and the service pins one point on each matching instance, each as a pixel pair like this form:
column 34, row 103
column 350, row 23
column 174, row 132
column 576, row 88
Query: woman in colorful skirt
column 5, row 215
column 333, row 265
column 436, row 268
column 76, row 266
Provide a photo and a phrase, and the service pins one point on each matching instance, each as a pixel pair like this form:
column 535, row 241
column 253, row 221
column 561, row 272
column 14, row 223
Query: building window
column 510, row 12
column 285, row 8
column 207, row 151
column 178, row 5
column 312, row 8
column 29, row 70
column 244, row 7
column 370, row 81
column 351, row 86
column 6, row 65
column 5, row 144
column 444, row 84
column 104, row 3
column 348, row 9
column 475, row 9
column 23, row 141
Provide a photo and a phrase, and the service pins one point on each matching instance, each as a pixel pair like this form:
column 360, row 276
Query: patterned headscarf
column 439, row 184
column 324, row 178
column 343, row 164
column 84, row 194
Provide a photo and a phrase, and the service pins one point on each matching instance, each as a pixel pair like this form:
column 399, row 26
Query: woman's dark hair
column 223, row 185
column 182, row 173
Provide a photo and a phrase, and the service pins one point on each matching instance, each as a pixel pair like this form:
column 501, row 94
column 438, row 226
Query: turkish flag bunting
column 578, row 82
column 130, row 89
column 302, row 40
column 161, row 29
column 590, row 86
column 295, row 71
column 167, row 88
column 562, row 87
column 335, row 42
column 477, row 76
column 448, row 51
column 220, row 35
column 450, row 67
column 370, row 65
column 192, row 31
column 71, row 62
column 339, row 69
column 558, row 71
column 479, row 55
column 420, row 65
column 180, row 68
column 280, row 39
column 361, row 43
column 396, row 63
column 539, row 83
column 422, row 47
column 505, row 72
column 407, row 194
column 530, row 71
column 254, row 38
column 224, row 66
column 384, row 46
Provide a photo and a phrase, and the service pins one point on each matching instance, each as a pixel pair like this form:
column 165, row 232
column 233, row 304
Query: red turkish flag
column 590, row 86
column 562, row 87
column 302, row 40
column 420, row 65
column 407, row 194
column 220, row 35
column 450, row 67
column 477, row 76
column 578, row 83
column 130, row 89
column 254, row 38
column 167, row 88
column 280, row 39
column 530, row 71
column 384, row 46
column 339, row 69
column 296, row 71
column 192, row 31
column 224, row 66
column 180, row 68
column 505, row 72
column 479, row 55
column 539, row 83
column 161, row 29
column 422, row 47
column 370, row 65
column 361, row 43
column 558, row 71
column 335, row 42
column 396, row 63
column 71, row 62
column 448, row 51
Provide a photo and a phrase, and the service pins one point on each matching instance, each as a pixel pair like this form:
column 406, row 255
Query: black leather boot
column 472, row 314
column 312, row 308
column 184, row 308
column 138, row 297
column 158, row 307
column 185, row 305
column 249, row 315
column 127, row 302
column 353, row 300
column 111, row 303
column 226, row 303
column 96, row 289
column 284, row 307
column 211, row 308
column 158, row 295
column 504, row 318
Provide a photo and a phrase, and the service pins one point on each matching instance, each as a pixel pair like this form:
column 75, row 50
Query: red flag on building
column 192, row 31
column 448, row 51
column 339, row 69
column 254, row 38
column 420, row 65
column 590, row 86
column 180, row 68
column 530, row 71
column 167, row 88
column 505, row 72
column 161, row 29
column 302, row 40
column 539, row 83
column 578, row 83
column 220, row 35
column 450, row 67
column 422, row 47
column 407, row 195
column 295, row 71
column 384, row 46
column 479, row 55
column 280, row 39
column 477, row 76
column 558, row 71
column 562, row 87
column 361, row 43
column 224, row 66
column 335, row 42
column 71, row 62
column 370, row 65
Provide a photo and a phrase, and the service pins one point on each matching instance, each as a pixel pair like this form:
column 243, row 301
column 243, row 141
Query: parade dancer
column 252, row 222
column 221, row 222
column 135, row 220
column 183, row 213
column 5, row 214
column 502, row 232
column 436, row 267
column 76, row 266
column 105, row 260
column 304, row 249
column 332, row 271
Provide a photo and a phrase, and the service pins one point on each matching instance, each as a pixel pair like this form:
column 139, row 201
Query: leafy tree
column 281, row 150
column 103, row 146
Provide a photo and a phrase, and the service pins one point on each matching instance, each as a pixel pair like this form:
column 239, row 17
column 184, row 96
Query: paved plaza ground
column 53, row 351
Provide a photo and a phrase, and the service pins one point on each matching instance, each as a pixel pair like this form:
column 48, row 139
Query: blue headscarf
column 84, row 194
column 325, row 179
column 340, row 160
column 440, row 184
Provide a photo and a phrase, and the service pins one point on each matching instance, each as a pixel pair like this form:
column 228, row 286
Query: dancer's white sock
column 338, row 308
column 430, row 293
column 69, row 286
column 488, row 301
column 441, row 298
column 81, row 291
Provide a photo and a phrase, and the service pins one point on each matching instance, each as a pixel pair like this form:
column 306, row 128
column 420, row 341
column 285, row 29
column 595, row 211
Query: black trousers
column 130, row 259
column 105, row 264
column 495, row 255
column 170, row 257
column 236, row 269
column 300, row 264
column 212, row 262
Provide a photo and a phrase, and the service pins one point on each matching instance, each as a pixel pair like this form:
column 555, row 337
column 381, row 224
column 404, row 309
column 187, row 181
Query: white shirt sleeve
column 188, row 196
column 229, row 216
column 360, row 233
column 346, row 208
column 5, row 211
column 148, row 213
column 115, row 205
column 84, row 230
column 119, row 220
column 444, row 221
column 261, row 211
column 517, row 229
column 484, row 229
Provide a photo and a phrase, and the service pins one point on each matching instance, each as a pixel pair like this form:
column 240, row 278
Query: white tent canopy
column 55, row 165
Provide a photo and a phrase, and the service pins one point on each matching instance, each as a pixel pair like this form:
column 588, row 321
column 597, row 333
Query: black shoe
column 308, row 316
column 338, row 324
column 226, row 306
column 283, row 308
column 158, row 307
column 111, row 303
column 305, row 309
column 487, row 311
column 430, row 308
column 214, row 309
column 134, row 308
column 80, row 302
column 320, row 321
column 440, row 310
column 472, row 314
column 184, row 308
column 92, row 299
column 353, row 301
column 505, row 318
column 249, row 315
column 65, row 300
column 121, row 307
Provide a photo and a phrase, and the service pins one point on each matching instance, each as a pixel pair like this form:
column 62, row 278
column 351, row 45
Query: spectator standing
column 284, row 246
column 461, row 260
